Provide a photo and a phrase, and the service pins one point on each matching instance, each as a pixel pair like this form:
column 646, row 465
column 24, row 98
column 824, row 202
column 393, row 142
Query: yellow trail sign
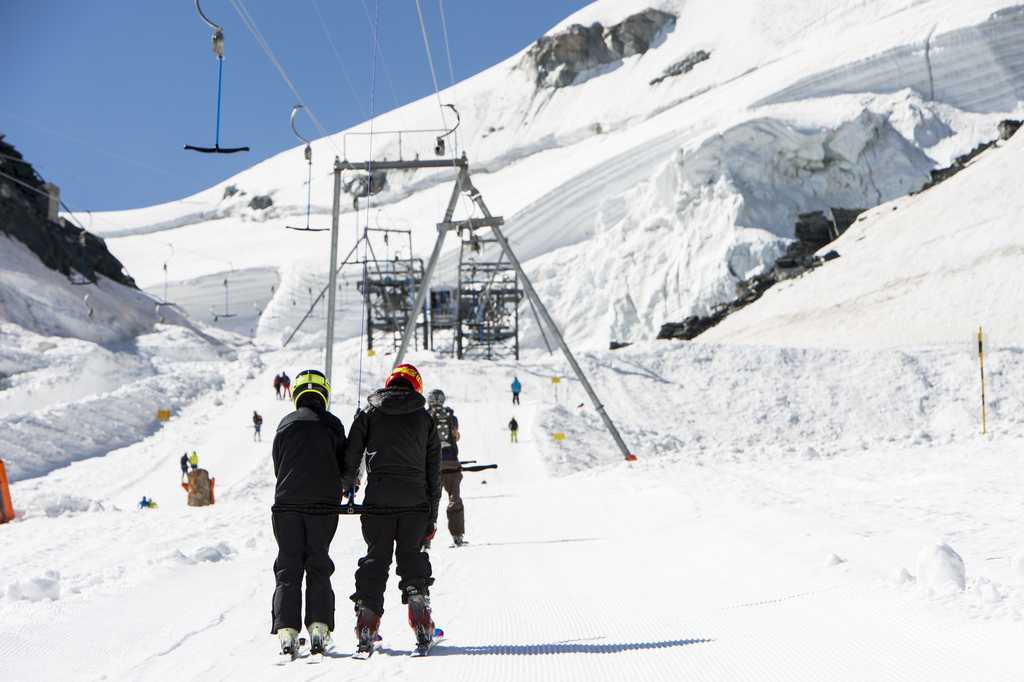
column 163, row 415
column 558, row 436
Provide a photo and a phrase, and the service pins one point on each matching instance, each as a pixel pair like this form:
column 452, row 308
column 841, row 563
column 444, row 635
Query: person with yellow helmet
column 403, row 470
column 308, row 449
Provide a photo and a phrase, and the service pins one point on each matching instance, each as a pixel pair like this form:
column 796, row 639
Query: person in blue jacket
column 516, row 386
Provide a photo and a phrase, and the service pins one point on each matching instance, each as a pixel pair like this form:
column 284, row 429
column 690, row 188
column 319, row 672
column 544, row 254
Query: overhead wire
column 430, row 60
column 343, row 70
column 369, row 182
column 106, row 183
column 451, row 71
column 247, row 19
column 380, row 53
column 99, row 149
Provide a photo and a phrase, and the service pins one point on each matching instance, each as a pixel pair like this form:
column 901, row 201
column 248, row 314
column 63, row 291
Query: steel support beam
column 532, row 294
column 442, row 230
column 332, row 284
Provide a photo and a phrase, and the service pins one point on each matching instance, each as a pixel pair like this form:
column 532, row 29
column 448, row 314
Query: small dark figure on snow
column 286, row 386
column 447, row 425
column 144, row 504
column 403, row 469
column 308, row 450
column 184, row 465
column 513, row 426
column 277, row 385
column 516, row 387
column 257, row 422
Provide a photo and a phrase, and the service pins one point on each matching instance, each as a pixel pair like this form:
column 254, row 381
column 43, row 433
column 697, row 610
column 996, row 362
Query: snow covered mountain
column 813, row 496
column 646, row 194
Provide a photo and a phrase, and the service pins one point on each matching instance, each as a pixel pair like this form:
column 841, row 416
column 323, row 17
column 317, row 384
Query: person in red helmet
column 403, row 471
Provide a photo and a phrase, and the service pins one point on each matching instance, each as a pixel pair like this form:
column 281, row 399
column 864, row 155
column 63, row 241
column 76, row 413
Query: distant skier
column 516, row 386
column 257, row 422
column 184, row 465
column 308, row 450
column 277, row 385
column 403, row 469
column 144, row 504
column 513, row 426
column 152, row 504
column 194, row 461
column 286, row 386
column 447, row 425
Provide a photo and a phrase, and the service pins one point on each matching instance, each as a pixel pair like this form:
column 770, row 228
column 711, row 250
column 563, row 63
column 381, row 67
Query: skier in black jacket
column 403, row 470
column 308, row 450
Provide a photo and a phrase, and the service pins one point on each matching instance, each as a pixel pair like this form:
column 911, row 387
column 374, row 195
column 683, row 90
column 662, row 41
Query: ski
column 362, row 654
column 319, row 656
column 424, row 649
column 301, row 651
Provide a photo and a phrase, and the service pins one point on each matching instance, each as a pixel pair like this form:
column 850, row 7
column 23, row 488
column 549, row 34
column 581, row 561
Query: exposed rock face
column 1006, row 130
column 684, row 66
column 261, row 202
column 813, row 231
column 556, row 60
column 23, row 215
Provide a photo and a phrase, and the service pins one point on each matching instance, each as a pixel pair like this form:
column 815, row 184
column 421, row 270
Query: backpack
column 443, row 422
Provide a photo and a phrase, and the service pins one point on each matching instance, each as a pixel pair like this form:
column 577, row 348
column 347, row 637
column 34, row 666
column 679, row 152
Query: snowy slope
column 813, row 497
column 927, row 270
column 799, row 107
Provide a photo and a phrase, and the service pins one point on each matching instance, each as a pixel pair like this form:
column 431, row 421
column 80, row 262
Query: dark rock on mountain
column 28, row 213
column 556, row 60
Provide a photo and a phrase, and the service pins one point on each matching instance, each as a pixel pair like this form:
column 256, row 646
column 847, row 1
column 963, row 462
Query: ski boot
column 289, row 640
column 459, row 541
column 419, row 616
column 319, row 638
column 367, row 624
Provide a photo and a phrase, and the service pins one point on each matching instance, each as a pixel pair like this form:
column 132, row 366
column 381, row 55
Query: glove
column 432, row 528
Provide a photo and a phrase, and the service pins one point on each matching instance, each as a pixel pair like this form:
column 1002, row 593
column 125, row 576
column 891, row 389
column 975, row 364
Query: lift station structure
column 495, row 300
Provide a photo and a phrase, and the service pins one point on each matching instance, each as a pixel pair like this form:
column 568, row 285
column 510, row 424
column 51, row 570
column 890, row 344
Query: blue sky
column 139, row 80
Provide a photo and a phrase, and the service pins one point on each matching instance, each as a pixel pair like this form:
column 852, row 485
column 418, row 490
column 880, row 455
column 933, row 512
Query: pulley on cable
column 309, row 182
column 439, row 144
column 218, row 49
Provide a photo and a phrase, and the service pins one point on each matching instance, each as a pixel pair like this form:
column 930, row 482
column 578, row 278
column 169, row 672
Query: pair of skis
column 303, row 651
column 420, row 650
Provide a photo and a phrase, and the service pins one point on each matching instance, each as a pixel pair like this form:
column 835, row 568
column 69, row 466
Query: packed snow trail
column 655, row 570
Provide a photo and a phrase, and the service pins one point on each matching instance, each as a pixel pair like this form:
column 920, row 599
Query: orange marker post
column 6, row 506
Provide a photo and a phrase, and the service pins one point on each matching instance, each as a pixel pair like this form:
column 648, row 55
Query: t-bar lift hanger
column 309, row 182
column 218, row 49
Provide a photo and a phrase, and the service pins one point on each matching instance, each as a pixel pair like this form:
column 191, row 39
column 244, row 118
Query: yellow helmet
column 311, row 380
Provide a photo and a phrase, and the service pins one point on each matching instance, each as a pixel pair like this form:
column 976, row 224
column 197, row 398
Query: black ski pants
column 400, row 535
column 302, row 547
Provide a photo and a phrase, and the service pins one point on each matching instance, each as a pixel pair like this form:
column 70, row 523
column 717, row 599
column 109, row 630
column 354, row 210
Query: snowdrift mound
column 921, row 271
column 723, row 212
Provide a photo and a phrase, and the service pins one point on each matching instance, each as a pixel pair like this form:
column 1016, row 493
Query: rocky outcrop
column 684, row 66
column 24, row 207
column 258, row 203
column 1006, row 131
column 556, row 60
column 813, row 231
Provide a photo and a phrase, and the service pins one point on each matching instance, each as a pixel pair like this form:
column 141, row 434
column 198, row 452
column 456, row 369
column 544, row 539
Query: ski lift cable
column 430, row 60
column 451, row 71
column 343, row 70
column 92, row 181
column 369, row 172
column 99, row 149
column 247, row 19
column 380, row 53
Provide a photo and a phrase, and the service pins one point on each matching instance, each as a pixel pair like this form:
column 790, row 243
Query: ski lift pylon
column 309, row 182
column 218, row 49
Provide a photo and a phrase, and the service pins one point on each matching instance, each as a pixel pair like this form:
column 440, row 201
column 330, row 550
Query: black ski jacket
column 400, row 442
column 308, row 449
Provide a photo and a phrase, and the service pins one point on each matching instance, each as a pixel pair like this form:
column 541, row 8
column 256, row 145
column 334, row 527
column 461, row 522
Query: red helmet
column 409, row 373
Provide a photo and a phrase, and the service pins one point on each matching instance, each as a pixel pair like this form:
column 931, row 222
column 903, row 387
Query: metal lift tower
column 462, row 184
